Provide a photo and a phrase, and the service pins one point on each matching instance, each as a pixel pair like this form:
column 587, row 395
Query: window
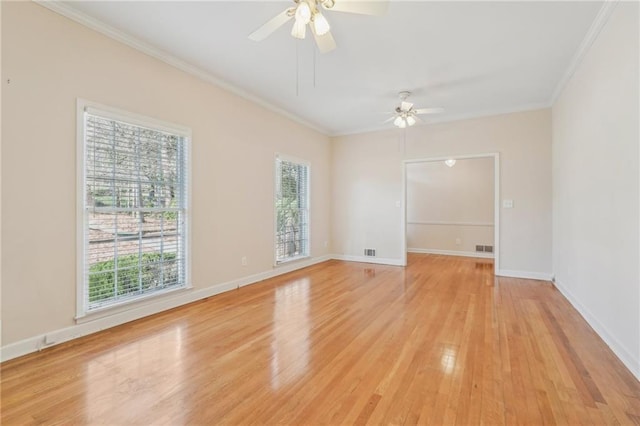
column 134, row 191
column 292, row 210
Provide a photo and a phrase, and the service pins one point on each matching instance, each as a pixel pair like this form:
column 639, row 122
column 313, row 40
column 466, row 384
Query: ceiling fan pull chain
column 314, row 67
column 297, row 67
column 404, row 141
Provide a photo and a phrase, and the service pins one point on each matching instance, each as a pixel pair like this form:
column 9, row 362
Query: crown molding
column 592, row 34
column 120, row 36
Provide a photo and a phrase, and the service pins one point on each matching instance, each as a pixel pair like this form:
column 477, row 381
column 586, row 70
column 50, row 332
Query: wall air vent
column 370, row 252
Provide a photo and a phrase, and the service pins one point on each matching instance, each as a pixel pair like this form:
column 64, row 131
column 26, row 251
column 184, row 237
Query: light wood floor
column 440, row 342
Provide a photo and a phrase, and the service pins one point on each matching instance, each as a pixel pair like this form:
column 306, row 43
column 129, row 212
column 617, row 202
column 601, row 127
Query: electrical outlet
column 458, row 241
column 244, row 260
column 326, row 244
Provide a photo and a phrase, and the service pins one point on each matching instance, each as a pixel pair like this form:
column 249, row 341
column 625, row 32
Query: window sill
column 291, row 260
column 128, row 304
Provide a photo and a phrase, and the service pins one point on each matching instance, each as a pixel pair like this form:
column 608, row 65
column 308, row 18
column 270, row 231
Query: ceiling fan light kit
column 308, row 12
column 405, row 115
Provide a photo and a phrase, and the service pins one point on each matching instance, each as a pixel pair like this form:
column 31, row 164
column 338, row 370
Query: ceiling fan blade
column 271, row 25
column 389, row 119
column 429, row 110
column 406, row 106
column 325, row 42
column 363, row 7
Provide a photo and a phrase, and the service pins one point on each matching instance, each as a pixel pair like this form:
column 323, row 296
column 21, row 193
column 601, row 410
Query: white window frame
column 307, row 164
column 83, row 106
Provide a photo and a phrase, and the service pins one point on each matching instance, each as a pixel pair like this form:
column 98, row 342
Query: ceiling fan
column 405, row 115
column 310, row 12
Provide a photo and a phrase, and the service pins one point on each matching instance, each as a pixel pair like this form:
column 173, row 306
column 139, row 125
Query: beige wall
column 52, row 61
column 367, row 184
column 450, row 208
column 596, row 210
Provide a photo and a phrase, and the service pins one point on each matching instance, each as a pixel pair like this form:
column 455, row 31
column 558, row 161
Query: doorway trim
column 496, row 200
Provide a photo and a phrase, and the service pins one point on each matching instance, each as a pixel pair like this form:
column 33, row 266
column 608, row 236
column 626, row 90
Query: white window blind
column 292, row 210
column 135, row 193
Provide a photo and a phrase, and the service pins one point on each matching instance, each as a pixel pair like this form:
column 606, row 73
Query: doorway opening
column 451, row 206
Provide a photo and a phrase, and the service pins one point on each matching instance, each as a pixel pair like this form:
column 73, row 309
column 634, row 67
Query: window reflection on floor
column 139, row 374
column 448, row 359
column 290, row 345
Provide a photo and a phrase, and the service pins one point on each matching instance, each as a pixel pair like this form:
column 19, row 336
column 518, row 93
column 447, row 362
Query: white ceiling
column 472, row 58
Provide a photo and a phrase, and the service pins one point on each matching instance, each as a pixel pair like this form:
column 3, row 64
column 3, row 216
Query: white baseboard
column 52, row 338
column 280, row 270
column 524, row 274
column 367, row 259
column 614, row 344
column 452, row 253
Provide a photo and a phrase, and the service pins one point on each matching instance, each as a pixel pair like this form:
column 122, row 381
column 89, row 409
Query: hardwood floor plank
column 439, row 342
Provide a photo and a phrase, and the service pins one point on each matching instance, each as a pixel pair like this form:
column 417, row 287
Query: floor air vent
column 370, row 252
column 485, row 249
